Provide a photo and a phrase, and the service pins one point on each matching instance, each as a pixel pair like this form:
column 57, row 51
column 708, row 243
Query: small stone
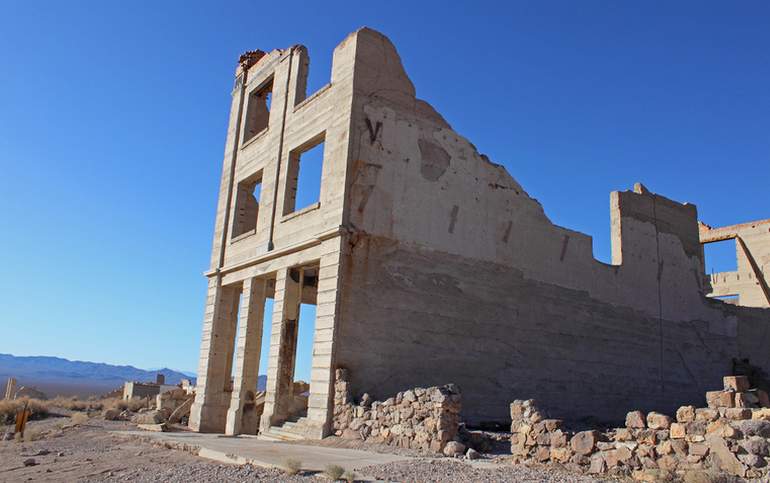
column 30, row 462
column 719, row 399
column 635, row 420
column 738, row 413
column 598, row 465
column 763, row 414
column 685, row 414
column 561, row 455
column 736, row 383
column 706, row 414
column 454, row 448
column 558, row 439
column 584, row 442
column 658, row 421
column 472, row 454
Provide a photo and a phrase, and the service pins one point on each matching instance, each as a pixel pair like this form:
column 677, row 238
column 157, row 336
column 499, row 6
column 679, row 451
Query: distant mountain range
column 57, row 376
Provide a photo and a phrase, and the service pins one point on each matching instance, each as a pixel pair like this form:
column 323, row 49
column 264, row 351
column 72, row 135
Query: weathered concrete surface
column 429, row 264
column 250, row 450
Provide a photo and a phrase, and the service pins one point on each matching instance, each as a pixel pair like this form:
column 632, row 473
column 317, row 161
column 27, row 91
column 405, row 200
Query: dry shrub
column 349, row 476
column 9, row 409
column 291, row 466
column 334, row 472
column 75, row 404
column 132, row 405
column 32, row 434
column 78, row 418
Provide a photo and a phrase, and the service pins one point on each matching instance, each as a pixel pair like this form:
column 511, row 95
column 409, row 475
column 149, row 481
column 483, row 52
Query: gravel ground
column 63, row 451
column 427, row 470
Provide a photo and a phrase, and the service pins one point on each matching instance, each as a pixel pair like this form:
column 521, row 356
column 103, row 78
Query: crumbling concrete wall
column 455, row 273
column 750, row 282
column 430, row 264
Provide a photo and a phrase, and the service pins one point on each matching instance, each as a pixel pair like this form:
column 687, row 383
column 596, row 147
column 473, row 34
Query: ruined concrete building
column 429, row 264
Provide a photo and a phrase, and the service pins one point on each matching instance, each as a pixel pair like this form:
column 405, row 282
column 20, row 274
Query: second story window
column 303, row 186
column 258, row 110
column 247, row 205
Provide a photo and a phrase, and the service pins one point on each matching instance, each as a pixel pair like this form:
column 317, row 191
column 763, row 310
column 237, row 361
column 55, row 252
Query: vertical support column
column 242, row 417
column 283, row 344
column 209, row 412
column 321, row 401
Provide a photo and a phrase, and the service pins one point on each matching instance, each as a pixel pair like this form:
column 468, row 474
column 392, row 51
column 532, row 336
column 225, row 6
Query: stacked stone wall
column 732, row 435
column 424, row 419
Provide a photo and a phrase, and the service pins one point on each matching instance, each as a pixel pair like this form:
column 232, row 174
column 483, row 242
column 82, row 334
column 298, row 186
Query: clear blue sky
column 113, row 117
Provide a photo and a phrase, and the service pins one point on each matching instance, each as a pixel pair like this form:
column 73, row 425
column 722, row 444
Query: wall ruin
column 429, row 264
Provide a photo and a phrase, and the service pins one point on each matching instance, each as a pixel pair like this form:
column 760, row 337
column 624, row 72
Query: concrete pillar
column 283, row 344
column 212, row 399
column 321, row 401
column 241, row 418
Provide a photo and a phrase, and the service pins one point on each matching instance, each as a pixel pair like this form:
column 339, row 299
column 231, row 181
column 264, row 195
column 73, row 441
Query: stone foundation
column 653, row 447
column 424, row 419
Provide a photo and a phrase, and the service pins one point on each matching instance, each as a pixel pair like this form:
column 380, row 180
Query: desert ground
column 78, row 446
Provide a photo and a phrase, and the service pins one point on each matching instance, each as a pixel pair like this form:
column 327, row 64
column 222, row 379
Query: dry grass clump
column 291, row 466
column 350, row 476
column 78, row 418
column 75, row 404
column 132, row 405
column 9, row 409
column 334, row 472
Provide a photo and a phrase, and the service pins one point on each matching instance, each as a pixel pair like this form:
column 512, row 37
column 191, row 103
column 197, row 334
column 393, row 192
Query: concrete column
column 212, row 398
column 283, row 344
column 241, row 417
column 320, row 403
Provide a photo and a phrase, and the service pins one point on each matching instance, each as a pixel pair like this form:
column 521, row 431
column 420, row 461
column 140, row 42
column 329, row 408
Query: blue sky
column 113, row 117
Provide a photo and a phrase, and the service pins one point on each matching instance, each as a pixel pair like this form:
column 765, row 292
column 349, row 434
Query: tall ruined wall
column 456, row 275
column 420, row 317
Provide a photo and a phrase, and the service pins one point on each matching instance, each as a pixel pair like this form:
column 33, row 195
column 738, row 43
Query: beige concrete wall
column 457, row 275
column 436, row 266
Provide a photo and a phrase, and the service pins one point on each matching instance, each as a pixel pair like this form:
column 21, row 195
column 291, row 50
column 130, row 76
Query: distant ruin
column 428, row 265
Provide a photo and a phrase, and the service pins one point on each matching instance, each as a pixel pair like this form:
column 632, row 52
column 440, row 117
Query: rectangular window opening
column 258, row 110
column 303, row 187
column 721, row 256
column 247, row 205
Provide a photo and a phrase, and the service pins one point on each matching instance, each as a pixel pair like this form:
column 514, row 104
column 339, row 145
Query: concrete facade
column 749, row 285
column 428, row 264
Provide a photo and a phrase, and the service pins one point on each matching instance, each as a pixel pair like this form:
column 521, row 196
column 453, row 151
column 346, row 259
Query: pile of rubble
column 726, row 436
column 421, row 419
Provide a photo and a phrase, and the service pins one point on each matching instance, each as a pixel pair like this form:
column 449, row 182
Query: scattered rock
column 454, row 448
column 30, row 462
column 472, row 454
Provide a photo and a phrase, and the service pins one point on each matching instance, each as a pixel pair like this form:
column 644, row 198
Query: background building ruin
column 429, row 264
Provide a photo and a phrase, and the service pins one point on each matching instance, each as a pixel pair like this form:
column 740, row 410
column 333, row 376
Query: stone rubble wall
column 732, row 435
column 424, row 419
